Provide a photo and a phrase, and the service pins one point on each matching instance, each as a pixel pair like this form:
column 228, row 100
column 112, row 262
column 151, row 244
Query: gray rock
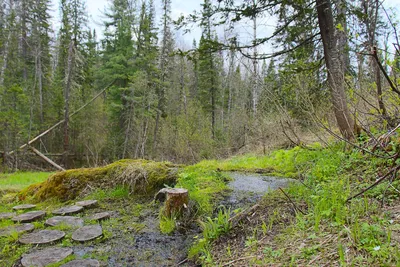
column 68, row 210
column 41, row 237
column 45, row 257
column 87, row 203
column 67, row 220
column 82, row 263
column 87, row 233
column 100, row 216
column 26, row 227
column 24, row 207
column 29, row 216
column 6, row 215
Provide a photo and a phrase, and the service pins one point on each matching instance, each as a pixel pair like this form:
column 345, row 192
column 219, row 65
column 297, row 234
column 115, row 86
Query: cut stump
column 177, row 200
column 26, row 227
column 45, row 257
column 29, row 216
column 87, row 233
column 82, row 263
column 100, row 216
column 86, row 203
column 41, row 237
column 68, row 210
column 24, row 207
column 67, row 220
column 6, row 215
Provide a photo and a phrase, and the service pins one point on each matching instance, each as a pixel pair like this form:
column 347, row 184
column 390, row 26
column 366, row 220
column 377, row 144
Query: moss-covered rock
column 140, row 176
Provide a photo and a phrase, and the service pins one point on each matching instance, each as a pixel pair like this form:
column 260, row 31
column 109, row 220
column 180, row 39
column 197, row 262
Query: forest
column 272, row 139
column 144, row 95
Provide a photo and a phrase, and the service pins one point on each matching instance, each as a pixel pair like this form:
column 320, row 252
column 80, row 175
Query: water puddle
column 248, row 188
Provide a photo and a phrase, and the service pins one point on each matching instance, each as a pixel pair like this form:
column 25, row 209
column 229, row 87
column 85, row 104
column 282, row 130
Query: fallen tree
column 141, row 177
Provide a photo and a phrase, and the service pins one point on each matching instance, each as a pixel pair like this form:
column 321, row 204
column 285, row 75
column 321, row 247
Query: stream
column 248, row 188
column 133, row 237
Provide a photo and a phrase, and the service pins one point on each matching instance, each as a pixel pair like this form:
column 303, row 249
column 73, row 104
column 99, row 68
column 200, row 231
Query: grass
column 167, row 224
column 331, row 230
column 19, row 180
column 205, row 186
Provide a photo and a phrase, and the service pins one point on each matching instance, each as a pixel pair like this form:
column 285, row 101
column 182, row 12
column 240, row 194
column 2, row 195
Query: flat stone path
column 6, row 215
column 41, row 237
column 29, row 216
column 24, row 207
column 86, row 203
column 26, row 227
column 45, row 257
column 82, row 263
column 67, row 220
column 87, row 233
column 100, row 216
column 68, row 210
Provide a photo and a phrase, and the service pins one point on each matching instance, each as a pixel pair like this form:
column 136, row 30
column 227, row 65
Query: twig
column 182, row 262
column 351, row 143
column 392, row 85
column 395, row 169
column 294, row 205
column 239, row 259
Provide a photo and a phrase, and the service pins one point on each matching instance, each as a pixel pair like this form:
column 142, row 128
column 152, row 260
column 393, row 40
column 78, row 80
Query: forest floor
column 235, row 221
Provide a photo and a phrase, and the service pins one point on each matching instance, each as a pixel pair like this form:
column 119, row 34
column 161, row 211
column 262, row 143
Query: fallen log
column 37, row 152
column 60, row 122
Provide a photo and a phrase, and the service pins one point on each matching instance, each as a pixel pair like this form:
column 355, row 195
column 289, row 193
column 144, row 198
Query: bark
column 67, row 90
column 61, row 122
column 370, row 22
column 255, row 65
column 6, row 49
column 161, row 93
column 39, row 75
column 335, row 69
column 177, row 201
column 37, row 152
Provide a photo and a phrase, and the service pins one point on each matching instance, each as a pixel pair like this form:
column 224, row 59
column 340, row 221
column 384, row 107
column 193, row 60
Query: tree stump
column 177, row 201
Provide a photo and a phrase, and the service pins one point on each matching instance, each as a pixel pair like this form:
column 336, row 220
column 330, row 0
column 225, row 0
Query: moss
column 140, row 176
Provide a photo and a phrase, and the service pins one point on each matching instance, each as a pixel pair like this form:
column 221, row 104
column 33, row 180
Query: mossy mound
column 142, row 177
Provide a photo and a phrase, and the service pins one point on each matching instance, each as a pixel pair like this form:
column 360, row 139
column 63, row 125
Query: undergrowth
column 359, row 232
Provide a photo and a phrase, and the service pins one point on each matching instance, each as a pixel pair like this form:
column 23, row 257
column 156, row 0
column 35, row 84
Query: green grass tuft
column 19, row 180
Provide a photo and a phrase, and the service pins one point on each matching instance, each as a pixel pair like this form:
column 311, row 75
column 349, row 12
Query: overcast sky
column 96, row 8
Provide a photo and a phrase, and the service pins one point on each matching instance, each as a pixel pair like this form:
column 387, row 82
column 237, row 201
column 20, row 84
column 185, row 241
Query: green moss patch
column 139, row 176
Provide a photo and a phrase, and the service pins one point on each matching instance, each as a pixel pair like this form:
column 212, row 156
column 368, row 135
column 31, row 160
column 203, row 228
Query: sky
column 96, row 9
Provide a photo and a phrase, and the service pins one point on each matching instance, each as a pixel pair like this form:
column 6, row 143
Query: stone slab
column 68, row 210
column 41, row 237
column 24, row 207
column 45, row 257
column 88, row 232
column 82, row 263
column 99, row 216
column 29, row 216
column 6, row 215
column 67, row 220
column 86, row 203
column 21, row 228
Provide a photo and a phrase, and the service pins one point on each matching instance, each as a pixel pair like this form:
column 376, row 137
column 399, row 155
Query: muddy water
column 130, row 245
column 248, row 188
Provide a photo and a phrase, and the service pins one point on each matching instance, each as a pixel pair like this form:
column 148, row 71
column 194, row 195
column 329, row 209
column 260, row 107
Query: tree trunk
column 67, row 89
column 255, row 65
column 335, row 69
column 177, row 200
column 6, row 49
